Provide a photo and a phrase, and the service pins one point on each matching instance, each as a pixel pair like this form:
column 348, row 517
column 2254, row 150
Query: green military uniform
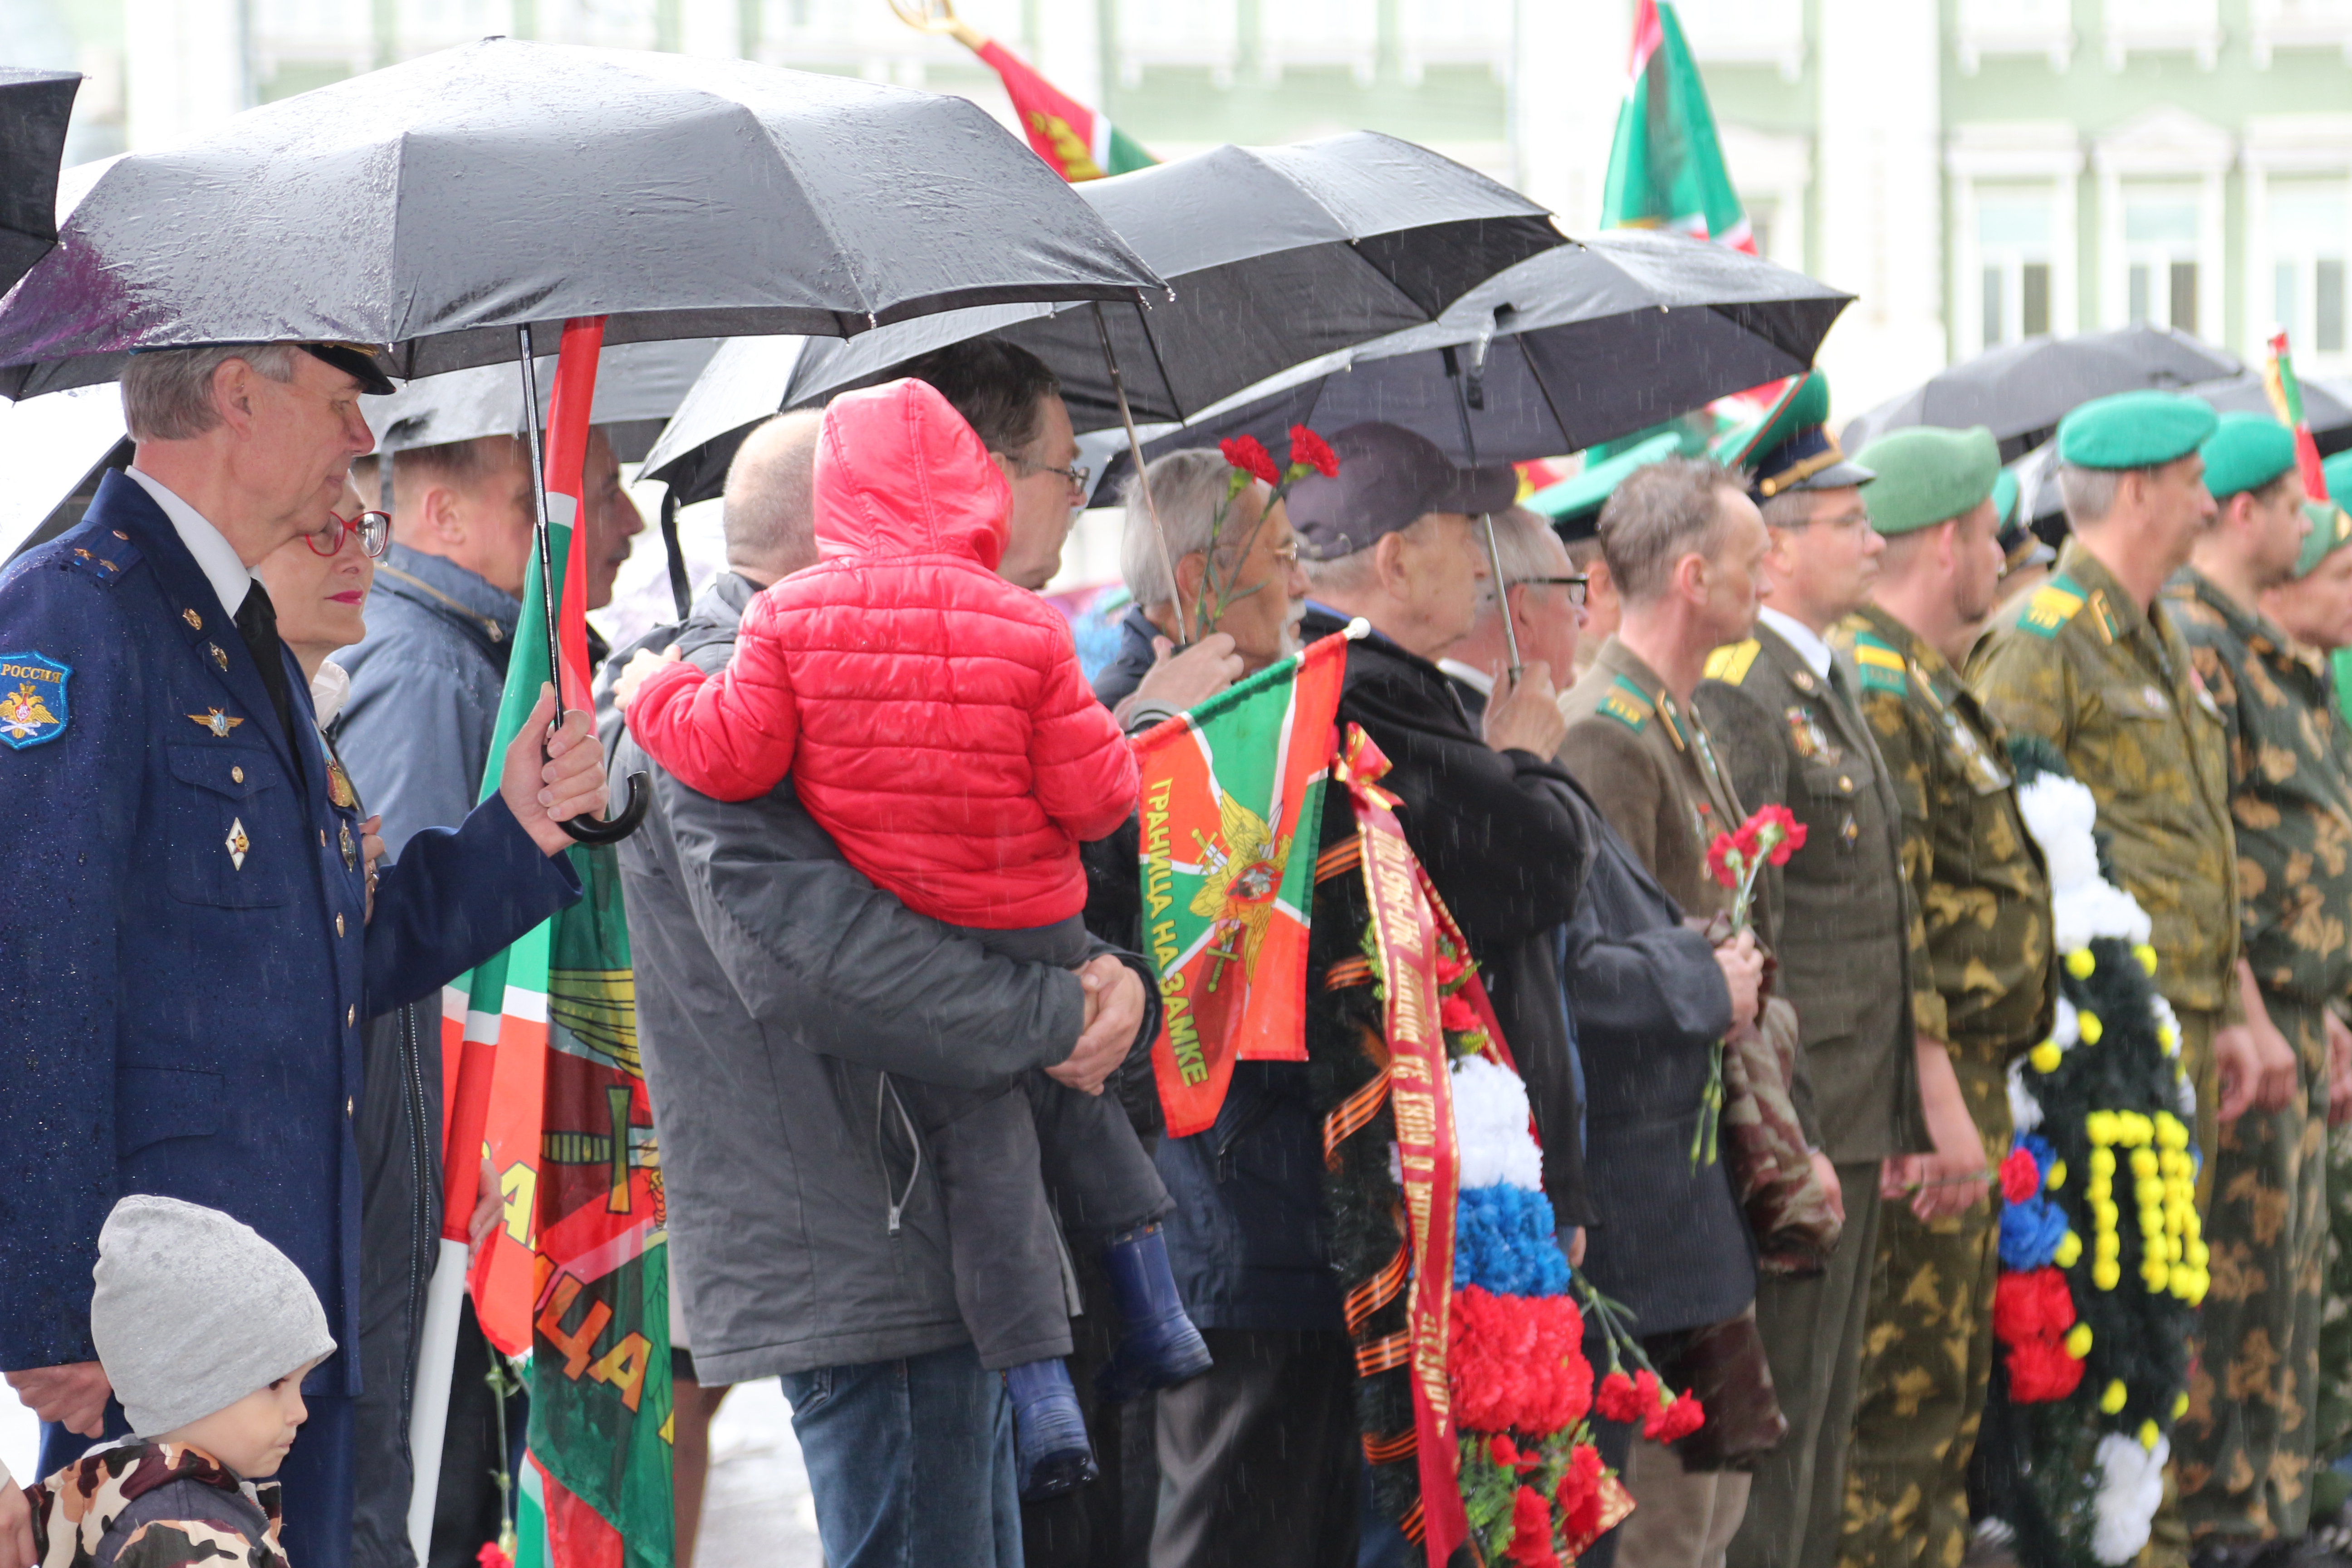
column 1987, row 990
column 1791, row 735
column 2242, row 1453
column 2111, row 686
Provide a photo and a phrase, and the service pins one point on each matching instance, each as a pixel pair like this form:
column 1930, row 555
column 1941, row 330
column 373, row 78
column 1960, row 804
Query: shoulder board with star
column 2051, row 606
column 103, row 554
column 1626, row 703
column 1731, row 662
column 1882, row 666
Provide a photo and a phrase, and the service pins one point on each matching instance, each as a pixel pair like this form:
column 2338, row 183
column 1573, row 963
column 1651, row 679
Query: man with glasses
column 192, row 946
column 1014, row 404
column 1783, row 708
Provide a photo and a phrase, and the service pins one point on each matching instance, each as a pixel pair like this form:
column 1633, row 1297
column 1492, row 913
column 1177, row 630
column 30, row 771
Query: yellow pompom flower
column 2199, row 1253
column 2089, row 1027
column 2080, row 963
column 2143, row 1164
column 2172, row 1131
column 2105, row 1214
column 2133, row 1129
column 2167, row 1038
column 2105, row 1275
column 2109, row 1246
column 2148, row 1435
column 2102, row 1127
column 2113, row 1396
column 2068, row 1251
column 2057, row 1177
column 2184, row 1280
column 2078, row 1340
column 2103, row 1162
column 2180, row 1404
column 2045, row 1056
column 2147, row 956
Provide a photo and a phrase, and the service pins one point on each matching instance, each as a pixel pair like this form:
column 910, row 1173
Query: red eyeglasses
column 373, row 530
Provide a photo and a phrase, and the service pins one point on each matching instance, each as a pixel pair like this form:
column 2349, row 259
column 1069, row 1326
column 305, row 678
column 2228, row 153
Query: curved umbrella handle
column 588, row 830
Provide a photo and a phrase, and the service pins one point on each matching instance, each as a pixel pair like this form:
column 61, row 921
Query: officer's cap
column 2135, row 430
column 2245, row 452
column 1790, row 449
column 1928, row 475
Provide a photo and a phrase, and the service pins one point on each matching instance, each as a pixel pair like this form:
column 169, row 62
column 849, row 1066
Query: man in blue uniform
column 191, row 930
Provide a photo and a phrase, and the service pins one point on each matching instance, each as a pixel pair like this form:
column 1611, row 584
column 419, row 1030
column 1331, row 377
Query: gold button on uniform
column 339, row 925
column 1845, row 785
column 236, row 776
column 347, row 1105
column 323, row 839
column 351, row 1014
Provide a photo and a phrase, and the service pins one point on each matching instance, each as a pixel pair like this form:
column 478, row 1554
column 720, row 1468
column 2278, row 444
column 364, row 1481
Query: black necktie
column 256, row 622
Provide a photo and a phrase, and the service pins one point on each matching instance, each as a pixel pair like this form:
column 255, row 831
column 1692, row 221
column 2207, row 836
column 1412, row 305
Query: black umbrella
column 449, row 207
column 2021, row 390
column 1277, row 255
column 438, row 205
column 2326, row 411
column 34, row 108
column 1579, row 345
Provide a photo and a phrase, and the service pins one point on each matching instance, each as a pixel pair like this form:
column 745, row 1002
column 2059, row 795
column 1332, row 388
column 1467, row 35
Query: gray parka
column 777, row 989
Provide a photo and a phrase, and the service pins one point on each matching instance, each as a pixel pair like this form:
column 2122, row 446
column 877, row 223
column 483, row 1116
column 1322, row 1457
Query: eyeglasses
column 1077, row 474
column 1575, row 585
column 373, row 530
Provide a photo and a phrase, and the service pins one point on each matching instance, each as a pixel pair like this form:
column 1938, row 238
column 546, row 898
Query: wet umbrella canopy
column 34, row 108
column 1277, row 255
column 2021, row 390
column 438, row 205
column 1579, row 345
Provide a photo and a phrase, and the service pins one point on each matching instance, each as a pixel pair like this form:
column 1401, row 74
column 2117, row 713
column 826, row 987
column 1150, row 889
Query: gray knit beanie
column 194, row 1310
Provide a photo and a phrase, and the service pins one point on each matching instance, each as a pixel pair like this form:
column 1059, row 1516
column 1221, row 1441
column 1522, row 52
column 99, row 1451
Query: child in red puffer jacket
column 934, row 720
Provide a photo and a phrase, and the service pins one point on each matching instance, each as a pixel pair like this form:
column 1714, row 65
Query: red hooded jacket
column 933, row 716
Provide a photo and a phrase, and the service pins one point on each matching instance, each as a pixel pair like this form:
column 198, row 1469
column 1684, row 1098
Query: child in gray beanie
column 205, row 1332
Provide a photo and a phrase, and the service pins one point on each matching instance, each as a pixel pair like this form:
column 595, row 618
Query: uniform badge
column 351, row 855
column 218, row 723
column 1805, row 734
column 238, row 843
column 1803, row 681
column 339, row 785
column 220, row 658
column 32, row 698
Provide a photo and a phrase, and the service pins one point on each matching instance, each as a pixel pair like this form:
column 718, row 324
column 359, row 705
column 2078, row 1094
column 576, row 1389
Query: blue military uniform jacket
column 188, row 960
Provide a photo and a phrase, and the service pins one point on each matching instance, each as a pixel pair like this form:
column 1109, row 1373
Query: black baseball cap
column 1389, row 476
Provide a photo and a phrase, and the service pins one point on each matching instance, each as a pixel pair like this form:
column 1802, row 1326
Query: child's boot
column 1052, row 1455
column 1159, row 1348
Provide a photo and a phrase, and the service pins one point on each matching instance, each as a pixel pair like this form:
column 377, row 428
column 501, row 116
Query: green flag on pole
column 1666, row 168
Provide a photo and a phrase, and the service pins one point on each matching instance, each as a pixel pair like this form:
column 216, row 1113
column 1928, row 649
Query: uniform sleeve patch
column 32, row 698
column 2053, row 605
column 1881, row 666
column 1730, row 663
column 1626, row 704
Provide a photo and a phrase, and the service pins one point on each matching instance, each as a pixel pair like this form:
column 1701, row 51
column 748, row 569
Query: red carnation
column 1503, row 1451
column 1247, row 454
column 2041, row 1371
column 2021, row 1177
column 2035, row 1304
column 1450, row 966
column 1307, row 448
column 1618, row 1400
column 1531, row 1531
column 1515, row 1362
column 493, row 1555
column 1680, row 1419
column 1791, row 831
column 1719, row 860
column 1457, row 1014
column 1579, row 1495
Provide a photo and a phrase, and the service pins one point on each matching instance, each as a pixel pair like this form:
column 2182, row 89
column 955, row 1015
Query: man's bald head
column 769, row 512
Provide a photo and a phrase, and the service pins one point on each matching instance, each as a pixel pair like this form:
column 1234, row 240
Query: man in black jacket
column 1260, row 1460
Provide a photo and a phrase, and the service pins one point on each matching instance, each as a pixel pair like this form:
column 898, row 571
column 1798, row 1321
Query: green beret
column 1928, row 475
column 2134, row 430
column 2245, row 453
column 1574, row 504
column 2004, row 495
column 2338, row 471
column 2330, row 532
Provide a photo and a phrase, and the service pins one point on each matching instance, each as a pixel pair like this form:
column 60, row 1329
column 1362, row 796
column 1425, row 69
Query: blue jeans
column 910, row 1462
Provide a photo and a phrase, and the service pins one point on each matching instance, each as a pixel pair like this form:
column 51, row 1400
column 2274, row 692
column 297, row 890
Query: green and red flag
column 548, row 1086
column 1232, row 801
column 1666, row 168
column 1081, row 143
column 2286, row 401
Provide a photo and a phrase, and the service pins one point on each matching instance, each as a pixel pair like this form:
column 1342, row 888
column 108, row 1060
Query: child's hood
column 898, row 472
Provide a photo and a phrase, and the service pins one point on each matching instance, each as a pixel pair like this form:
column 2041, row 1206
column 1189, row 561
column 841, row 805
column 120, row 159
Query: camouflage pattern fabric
column 2111, row 687
column 99, row 1495
column 1988, row 990
column 2332, row 1441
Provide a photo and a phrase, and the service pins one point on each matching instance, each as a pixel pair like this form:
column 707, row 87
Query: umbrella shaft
column 1143, row 481
column 1486, row 521
column 539, row 497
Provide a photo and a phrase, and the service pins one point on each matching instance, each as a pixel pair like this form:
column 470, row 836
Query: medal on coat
column 351, row 855
column 218, row 723
column 339, row 785
column 237, row 844
column 1805, row 735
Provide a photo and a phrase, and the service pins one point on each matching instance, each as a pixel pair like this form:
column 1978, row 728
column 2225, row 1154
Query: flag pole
column 1485, row 519
column 1143, row 481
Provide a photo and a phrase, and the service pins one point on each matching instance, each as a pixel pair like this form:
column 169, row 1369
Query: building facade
column 1974, row 169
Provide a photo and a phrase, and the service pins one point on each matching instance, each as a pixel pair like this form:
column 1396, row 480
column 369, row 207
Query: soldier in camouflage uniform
column 1984, row 995
column 2242, row 1453
column 2093, row 664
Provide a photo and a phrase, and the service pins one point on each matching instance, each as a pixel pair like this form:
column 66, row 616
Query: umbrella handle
column 589, row 830
column 1142, row 481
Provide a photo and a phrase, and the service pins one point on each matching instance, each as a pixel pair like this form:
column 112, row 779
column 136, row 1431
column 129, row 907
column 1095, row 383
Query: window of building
column 1177, row 33
column 2307, row 221
column 2044, row 27
column 2160, row 254
column 2013, row 238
